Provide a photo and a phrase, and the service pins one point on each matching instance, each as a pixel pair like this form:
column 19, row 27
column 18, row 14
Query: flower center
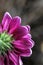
column 5, row 42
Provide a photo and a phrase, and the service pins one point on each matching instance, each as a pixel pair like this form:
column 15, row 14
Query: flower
column 15, row 40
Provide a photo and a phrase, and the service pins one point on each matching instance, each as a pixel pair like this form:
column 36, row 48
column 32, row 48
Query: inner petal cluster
column 5, row 42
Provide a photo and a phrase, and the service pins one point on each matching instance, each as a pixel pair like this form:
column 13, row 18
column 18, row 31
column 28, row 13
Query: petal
column 6, row 21
column 1, row 60
column 19, row 45
column 16, row 21
column 28, row 36
column 0, row 28
column 14, row 58
column 20, row 31
column 6, row 59
column 28, row 42
column 23, row 45
column 26, row 53
column 20, row 61
column 28, row 27
column 27, row 39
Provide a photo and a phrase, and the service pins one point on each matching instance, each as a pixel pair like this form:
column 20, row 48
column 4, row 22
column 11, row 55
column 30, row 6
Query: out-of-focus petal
column 14, row 58
column 0, row 28
column 16, row 21
column 6, row 59
column 6, row 21
column 1, row 60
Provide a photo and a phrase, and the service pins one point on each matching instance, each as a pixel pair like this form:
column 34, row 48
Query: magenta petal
column 20, row 31
column 16, row 21
column 28, row 28
column 28, row 42
column 6, row 20
column 1, row 60
column 14, row 58
column 0, row 28
column 28, row 37
column 20, row 45
column 26, row 53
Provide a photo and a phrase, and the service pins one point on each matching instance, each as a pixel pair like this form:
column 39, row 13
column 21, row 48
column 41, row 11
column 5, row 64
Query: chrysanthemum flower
column 15, row 40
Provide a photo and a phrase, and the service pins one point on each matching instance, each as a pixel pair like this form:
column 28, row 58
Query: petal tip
column 7, row 13
column 18, row 18
column 28, row 28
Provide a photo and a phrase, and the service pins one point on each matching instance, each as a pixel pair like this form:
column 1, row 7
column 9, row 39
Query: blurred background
column 31, row 12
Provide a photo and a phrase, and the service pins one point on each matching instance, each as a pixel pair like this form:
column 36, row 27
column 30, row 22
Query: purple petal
column 20, row 31
column 6, row 21
column 6, row 59
column 28, row 42
column 16, row 21
column 1, row 60
column 14, row 58
column 28, row 37
column 20, row 45
column 28, row 27
column 26, row 53
column 0, row 28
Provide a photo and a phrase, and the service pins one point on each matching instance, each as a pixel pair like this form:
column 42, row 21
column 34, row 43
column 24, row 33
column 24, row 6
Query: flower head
column 15, row 40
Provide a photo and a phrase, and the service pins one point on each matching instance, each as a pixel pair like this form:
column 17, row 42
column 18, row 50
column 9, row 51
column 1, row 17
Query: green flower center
column 5, row 42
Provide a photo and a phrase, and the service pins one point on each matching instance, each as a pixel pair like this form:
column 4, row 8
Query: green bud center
column 5, row 42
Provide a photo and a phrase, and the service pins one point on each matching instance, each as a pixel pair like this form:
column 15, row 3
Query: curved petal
column 20, row 31
column 1, row 60
column 28, row 37
column 26, row 53
column 20, row 45
column 16, row 21
column 28, row 42
column 14, row 58
column 6, row 20
column 28, row 28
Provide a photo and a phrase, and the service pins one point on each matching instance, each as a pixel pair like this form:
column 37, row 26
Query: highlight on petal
column 14, row 58
column 20, row 61
column 6, row 21
column 16, row 21
column 28, row 37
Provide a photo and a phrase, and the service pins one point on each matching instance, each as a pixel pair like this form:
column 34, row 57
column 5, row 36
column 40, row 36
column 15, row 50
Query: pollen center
column 5, row 42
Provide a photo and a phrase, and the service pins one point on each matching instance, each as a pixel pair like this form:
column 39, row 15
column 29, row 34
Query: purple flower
column 15, row 41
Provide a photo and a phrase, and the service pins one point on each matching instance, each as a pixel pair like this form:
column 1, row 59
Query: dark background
column 31, row 12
